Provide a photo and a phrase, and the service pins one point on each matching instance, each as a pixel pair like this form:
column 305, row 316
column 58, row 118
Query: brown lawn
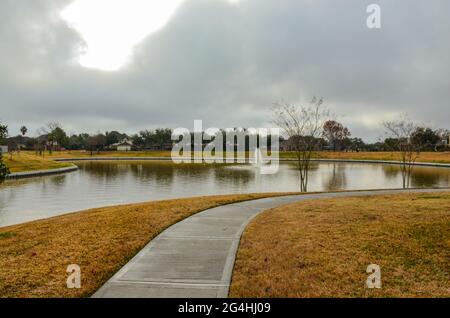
column 433, row 157
column 26, row 161
column 323, row 248
column 437, row 157
column 34, row 256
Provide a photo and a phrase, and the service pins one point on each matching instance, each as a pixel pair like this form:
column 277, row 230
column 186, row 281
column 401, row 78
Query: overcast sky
column 99, row 65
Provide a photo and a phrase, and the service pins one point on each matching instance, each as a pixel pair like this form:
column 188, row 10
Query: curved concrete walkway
column 195, row 258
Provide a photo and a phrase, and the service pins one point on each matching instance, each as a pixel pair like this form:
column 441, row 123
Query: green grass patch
column 7, row 235
column 432, row 197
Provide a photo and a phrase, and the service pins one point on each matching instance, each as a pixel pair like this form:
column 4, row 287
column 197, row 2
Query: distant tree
column 302, row 126
column 3, row 132
column 335, row 133
column 145, row 139
column 23, row 130
column 40, row 144
column 390, row 144
column 91, row 144
column 157, row 138
column 3, row 141
column 29, row 142
column 444, row 138
column 95, row 143
column 83, row 140
column 75, row 143
column 54, row 134
column 60, row 137
column 4, row 171
column 12, row 146
column 355, row 144
column 114, row 137
column 138, row 140
column 401, row 132
column 427, row 138
column 162, row 137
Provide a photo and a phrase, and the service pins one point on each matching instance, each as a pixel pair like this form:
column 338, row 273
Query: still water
column 99, row 184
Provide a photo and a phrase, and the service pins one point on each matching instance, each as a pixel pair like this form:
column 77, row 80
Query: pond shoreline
column 391, row 162
column 38, row 173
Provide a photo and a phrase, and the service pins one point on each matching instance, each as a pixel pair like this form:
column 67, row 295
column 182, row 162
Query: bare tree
column 402, row 132
column 49, row 132
column 302, row 127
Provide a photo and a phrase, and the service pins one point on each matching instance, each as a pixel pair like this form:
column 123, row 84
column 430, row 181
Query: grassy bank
column 34, row 256
column 24, row 162
column 323, row 248
column 434, row 157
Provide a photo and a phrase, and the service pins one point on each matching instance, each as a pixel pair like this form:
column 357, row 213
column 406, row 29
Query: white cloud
column 111, row 28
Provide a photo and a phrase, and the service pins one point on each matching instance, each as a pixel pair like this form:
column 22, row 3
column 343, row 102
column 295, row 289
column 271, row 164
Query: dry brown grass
column 323, row 248
column 437, row 157
column 433, row 157
column 34, row 256
column 29, row 162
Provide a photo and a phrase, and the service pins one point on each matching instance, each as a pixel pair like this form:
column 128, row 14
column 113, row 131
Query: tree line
column 333, row 136
column 53, row 137
column 305, row 129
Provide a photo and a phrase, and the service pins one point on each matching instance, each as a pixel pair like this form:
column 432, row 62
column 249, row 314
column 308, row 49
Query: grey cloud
column 227, row 64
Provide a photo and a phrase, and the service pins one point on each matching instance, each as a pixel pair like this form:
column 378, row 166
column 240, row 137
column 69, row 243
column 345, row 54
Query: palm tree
column 23, row 130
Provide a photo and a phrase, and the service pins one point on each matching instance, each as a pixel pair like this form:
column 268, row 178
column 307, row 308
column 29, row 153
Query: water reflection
column 337, row 179
column 422, row 177
column 109, row 183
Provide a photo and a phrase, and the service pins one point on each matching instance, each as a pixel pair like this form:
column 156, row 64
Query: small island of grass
column 28, row 162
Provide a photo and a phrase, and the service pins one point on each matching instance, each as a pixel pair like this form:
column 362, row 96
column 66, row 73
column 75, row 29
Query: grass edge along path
column 321, row 248
column 34, row 256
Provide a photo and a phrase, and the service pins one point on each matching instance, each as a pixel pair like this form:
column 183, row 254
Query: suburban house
column 287, row 145
column 124, row 145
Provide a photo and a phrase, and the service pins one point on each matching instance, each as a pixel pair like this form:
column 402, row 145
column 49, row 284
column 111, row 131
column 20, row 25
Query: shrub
column 4, row 171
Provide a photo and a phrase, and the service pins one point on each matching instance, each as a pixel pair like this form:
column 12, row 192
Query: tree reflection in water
column 103, row 183
column 337, row 179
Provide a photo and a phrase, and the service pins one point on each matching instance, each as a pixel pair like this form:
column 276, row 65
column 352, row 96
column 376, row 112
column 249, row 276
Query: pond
column 99, row 184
